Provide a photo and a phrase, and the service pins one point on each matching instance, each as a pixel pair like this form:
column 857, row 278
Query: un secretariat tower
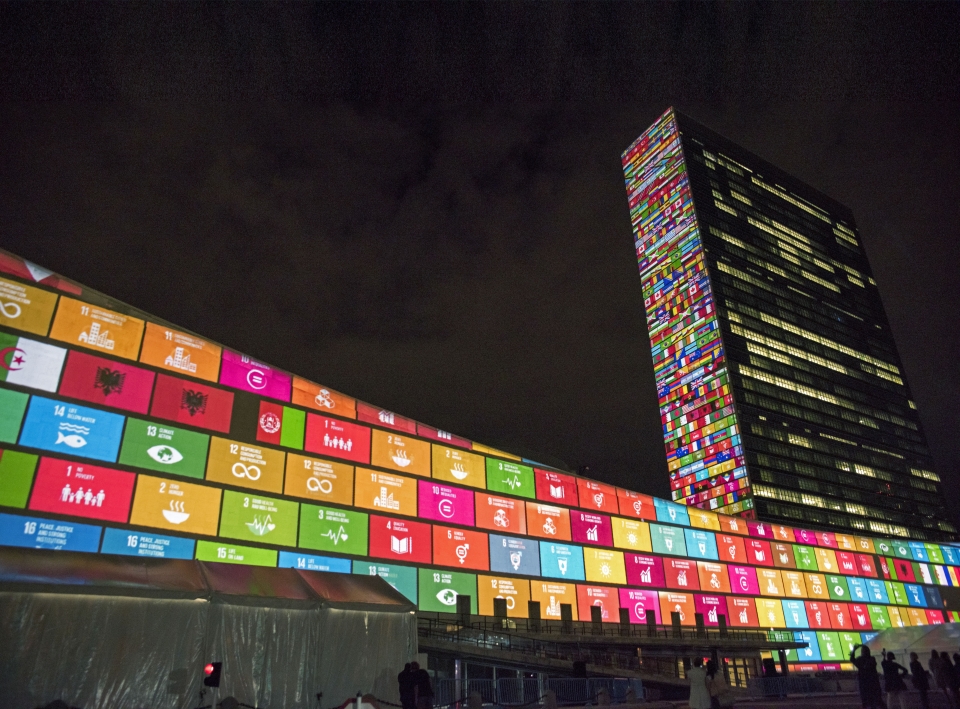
column 781, row 393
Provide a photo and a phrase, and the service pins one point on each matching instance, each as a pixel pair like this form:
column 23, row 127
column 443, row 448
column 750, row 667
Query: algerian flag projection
column 30, row 363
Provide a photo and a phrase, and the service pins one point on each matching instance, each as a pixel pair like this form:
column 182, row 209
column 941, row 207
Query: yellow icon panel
column 176, row 505
column 244, row 465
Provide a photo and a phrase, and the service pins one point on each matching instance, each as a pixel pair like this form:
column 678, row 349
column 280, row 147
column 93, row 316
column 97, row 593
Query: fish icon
column 73, row 440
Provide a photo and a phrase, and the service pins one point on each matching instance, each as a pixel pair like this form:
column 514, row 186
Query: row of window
column 846, row 473
column 764, row 263
column 774, row 349
column 794, row 453
column 867, row 305
column 774, row 402
column 784, row 436
column 873, row 411
column 807, row 385
column 827, row 233
column 766, row 258
column 797, row 453
column 786, row 305
column 758, row 315
column 802, row 513
column 866, row 393
column 810, row 489
column 792, row 303
column 755, row 184
column 758, row 218
column 761, row 190
column 817, row 355
column 787, row 390
column 803, row 337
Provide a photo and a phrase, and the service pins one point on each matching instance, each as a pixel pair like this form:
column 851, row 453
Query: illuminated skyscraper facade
column 781, row 393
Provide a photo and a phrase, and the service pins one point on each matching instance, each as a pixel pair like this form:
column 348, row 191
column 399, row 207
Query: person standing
column 423, row 691
column 699, row 692
column 936, row 669
column 717, row 686
column 405, row 681
column 951, row 678
column 918, row 676
column 867, row 678
column 893, row 674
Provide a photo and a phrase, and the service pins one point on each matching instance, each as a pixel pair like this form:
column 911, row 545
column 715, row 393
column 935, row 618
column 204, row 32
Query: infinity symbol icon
column 244, row 471
column 10, row 310
column 315, row 485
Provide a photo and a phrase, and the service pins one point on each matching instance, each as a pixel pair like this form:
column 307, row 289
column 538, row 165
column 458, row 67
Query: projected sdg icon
column 318, row 485
column 400, row 458
column 246, row 471
column 256, row 379
column 447, row 597
column 167, row 455
column 74, row 436
column 446, row 509
column 176, row 513
column 10, row 309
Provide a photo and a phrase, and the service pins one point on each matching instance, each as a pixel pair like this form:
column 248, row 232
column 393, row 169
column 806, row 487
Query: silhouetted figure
column 867, row 678
column 936, row 669
column 717, row 686
column 951, row 678
column 893, row 674
column 423, row 691
column 918, row 676
column 407, row 694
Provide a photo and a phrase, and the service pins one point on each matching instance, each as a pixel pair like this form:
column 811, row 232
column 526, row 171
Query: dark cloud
column 421, row 204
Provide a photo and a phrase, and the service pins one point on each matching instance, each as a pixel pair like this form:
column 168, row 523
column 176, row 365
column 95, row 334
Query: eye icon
column 167, row 455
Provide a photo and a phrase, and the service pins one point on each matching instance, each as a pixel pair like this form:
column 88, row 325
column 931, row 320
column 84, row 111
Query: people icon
column 82, row 497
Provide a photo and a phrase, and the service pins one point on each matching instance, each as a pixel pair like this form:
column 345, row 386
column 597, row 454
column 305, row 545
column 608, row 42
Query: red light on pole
column 211, row 673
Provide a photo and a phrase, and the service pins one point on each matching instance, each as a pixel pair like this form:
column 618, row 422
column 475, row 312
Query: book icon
column 401, row 546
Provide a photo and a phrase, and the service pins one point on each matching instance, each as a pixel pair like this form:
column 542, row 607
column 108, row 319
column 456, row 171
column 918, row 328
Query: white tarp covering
column 95, row 650
column 920, row 639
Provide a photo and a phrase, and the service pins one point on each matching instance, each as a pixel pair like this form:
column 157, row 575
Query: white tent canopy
column 919, row 639
column 111, row 631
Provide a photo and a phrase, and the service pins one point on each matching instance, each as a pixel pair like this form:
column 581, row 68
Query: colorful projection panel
column 114, row 452
column 700, row 431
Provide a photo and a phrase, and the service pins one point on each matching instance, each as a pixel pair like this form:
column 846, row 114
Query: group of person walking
column 944, row 672
column 415, row 689
column 708, row 687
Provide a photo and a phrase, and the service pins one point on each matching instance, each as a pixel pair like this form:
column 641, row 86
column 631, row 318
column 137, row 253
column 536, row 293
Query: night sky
column 422, row 205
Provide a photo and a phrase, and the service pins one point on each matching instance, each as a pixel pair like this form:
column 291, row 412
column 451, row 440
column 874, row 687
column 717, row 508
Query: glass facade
column 767, row 331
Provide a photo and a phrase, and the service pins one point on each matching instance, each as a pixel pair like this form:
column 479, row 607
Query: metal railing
column 532, row 648
column 788, row 684
column 508, row 692
column 545, row 641
column 588, row 630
